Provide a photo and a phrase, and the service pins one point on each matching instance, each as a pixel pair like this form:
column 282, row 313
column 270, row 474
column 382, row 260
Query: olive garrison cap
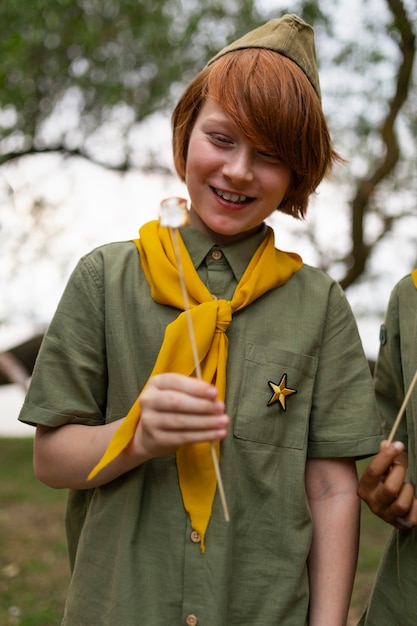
column 288, row 35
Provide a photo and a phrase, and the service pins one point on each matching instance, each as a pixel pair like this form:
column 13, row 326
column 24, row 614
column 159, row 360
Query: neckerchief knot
column 224, row 314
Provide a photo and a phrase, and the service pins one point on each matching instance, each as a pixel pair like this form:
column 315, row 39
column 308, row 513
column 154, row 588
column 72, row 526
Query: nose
column 238, row 166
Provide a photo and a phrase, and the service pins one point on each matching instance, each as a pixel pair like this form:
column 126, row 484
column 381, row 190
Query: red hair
column 274, row 105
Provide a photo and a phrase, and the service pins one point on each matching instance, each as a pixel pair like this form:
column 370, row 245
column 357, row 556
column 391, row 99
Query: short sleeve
column 344, row 418
column 389, row 385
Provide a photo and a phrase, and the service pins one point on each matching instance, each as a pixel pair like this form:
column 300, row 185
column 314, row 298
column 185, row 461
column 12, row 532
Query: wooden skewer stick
column 198, row 368
column 402, row 409
column 174, row 232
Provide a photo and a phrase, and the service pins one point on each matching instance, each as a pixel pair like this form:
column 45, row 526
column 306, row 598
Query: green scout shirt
column 135, row 560
column 393, row 601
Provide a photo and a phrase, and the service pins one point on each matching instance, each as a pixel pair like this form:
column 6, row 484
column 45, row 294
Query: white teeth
column 232, row 197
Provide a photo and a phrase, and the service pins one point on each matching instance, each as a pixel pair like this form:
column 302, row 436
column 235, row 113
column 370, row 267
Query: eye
column 266, row 154
column 219, row 139
column 270, row 156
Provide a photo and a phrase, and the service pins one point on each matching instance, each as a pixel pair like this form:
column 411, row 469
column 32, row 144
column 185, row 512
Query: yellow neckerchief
column 414, row 277
column 268, row 268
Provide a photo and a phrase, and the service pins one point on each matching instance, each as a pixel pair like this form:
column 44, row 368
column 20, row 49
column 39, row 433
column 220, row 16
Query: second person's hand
column 383, row 487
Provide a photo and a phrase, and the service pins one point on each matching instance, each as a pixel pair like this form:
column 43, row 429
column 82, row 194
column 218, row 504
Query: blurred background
column 86, row 92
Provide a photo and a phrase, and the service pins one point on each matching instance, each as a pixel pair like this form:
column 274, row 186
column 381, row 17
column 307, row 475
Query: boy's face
column 233, row 187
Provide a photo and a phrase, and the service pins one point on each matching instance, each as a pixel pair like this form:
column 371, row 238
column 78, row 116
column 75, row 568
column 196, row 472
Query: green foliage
column 87, row 61
column 70, row 67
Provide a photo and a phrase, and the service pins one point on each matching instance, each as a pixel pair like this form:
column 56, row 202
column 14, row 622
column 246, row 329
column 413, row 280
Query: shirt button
column 216, row 255
column 191, row 620
column 195, row 537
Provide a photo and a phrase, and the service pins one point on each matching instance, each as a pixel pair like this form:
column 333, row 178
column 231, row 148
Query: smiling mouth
column 231, row 197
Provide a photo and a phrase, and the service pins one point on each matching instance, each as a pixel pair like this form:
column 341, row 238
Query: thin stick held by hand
column 178, row 219
column 198, row 368
column 402, row 409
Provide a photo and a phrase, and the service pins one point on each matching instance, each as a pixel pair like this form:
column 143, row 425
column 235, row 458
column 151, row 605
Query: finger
column 411, row 516
column 186, row 384
column 380, row 464
column 176, row 389
column 187, row 436
column 380, row 497
column 176, row 402
column 396, row 512
column 402, row 524
column 162, row 434
column 400, row 507
column 393, row 482
column 391, row 448
column 198, row 424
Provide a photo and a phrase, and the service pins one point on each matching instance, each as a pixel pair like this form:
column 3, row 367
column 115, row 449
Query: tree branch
column 366, row 187
column 151, row 167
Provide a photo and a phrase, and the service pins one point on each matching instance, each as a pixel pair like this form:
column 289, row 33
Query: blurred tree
column 70, row 68
column 368, row 74
column 381, row 130
column 75, row 72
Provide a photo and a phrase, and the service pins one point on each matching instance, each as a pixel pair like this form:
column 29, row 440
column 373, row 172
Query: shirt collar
column 238, row 254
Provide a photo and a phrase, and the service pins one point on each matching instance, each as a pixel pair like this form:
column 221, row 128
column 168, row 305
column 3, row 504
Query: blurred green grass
column 34, row 572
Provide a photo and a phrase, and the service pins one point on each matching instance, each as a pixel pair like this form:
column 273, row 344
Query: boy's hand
column 383, row 489
column 176, row 410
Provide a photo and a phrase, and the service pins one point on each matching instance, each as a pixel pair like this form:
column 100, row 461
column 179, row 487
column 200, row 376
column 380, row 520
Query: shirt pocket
column 273, row 424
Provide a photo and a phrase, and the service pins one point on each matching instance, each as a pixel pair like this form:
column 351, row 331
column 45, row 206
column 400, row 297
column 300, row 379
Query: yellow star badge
column 280, row 392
